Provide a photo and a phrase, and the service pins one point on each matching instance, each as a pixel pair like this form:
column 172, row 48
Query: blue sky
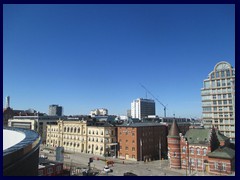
column 84, row 57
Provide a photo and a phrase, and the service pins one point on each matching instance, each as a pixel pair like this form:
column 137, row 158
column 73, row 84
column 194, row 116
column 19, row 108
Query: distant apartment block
column 142, row 108
column 218, row 99
column 99, row 112
column 55, row 110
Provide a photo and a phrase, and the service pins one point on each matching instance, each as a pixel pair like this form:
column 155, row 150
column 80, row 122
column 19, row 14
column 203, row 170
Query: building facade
column 79, row 136
column 49, row 168
column 36, row 123
column 55, row 110
column 142, row 141
column 218, row 99
column 142, row 108
column 200, row 150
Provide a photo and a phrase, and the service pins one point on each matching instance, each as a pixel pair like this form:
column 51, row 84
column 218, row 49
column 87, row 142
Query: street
column 140, row 168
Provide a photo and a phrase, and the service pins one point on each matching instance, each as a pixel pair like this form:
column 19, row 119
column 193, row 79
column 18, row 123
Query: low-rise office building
column 142, row 141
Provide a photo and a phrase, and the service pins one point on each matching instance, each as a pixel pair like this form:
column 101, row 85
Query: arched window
column 78, row 130
column 75, row 130
column 198, row 151
column 191, row 150
column 65, row 129
column 204, row 152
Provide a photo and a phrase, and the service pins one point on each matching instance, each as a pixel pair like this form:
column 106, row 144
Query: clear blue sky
column 84, row 57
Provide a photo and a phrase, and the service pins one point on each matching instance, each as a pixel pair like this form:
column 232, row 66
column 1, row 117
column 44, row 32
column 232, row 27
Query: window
column 222, row 74
column 218, row 83
column 50, row 171
column 212, row 75
column 228, row 73
column 126, row 148
column 198, row 151
column 223, row 82
column 40, row 172
column 192, row 162
column 204, row 152
column 199, row 163
column 183, row 162
column 224, row 166
column 191, row 150
column 133, row 148
column 217, row 74
column 58, row 168
column 183, row 149
column 216, row 165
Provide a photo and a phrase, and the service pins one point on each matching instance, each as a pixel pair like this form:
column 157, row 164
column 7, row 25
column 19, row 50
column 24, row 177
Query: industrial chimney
column 7, row 101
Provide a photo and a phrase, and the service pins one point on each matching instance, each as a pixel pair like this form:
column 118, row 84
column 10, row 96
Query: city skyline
column 84, row 57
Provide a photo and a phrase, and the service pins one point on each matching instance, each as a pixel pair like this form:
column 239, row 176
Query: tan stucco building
column 78, row 136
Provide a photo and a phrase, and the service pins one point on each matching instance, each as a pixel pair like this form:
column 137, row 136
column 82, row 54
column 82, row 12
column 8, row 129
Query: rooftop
column 222, row 152
column 198, row 136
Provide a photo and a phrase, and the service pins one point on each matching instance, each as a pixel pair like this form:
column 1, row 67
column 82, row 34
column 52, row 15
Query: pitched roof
column 174, row 130
column 222, row 152
column 220, row 136
column 198, row 136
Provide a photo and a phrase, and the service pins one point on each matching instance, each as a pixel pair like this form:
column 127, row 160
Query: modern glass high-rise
column 141, row 108
column 218, row 99
column 55, row 110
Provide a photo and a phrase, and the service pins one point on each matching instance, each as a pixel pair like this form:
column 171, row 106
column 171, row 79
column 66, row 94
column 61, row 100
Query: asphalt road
column 140, row 168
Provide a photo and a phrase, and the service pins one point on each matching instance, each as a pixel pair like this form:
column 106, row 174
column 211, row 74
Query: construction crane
column 164, row 106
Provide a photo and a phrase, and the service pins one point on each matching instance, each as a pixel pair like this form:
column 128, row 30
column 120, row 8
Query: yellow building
column 77, row 136
column 102, row 140
column 72, row 135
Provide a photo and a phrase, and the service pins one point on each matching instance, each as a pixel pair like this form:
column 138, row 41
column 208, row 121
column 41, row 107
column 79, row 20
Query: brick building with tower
column 200, row 150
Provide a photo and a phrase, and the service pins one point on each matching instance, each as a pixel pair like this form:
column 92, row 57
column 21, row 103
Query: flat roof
column 11, row 138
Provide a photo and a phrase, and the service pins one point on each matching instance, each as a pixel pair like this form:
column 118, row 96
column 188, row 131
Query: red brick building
column 200, row 150
column 142, row 141
column 50, row 168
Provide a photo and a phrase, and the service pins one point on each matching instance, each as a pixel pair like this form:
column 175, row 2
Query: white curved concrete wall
column 10, row 138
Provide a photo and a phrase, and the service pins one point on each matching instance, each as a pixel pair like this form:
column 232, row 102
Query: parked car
column 107, row 169
column 129, row 174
